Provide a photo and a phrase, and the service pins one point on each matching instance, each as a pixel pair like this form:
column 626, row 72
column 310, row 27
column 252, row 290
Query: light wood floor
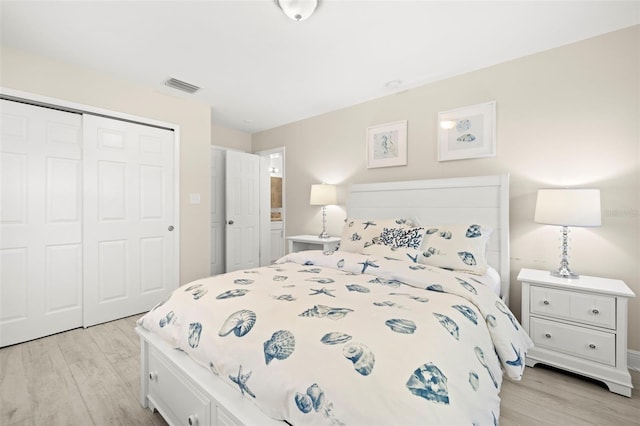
column 91, row 377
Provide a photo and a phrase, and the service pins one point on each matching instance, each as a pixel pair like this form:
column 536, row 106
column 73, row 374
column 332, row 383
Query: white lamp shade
column 323, row 195
column 568, row 207
column 298, row 10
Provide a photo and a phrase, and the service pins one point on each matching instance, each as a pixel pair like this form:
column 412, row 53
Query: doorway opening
column 276, row 158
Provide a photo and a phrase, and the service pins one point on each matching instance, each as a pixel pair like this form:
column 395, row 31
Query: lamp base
column 324, row 233
column 564, row 271
column 568, row 275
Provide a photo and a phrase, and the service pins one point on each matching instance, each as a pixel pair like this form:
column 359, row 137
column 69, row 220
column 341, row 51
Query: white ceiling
column 258, row 69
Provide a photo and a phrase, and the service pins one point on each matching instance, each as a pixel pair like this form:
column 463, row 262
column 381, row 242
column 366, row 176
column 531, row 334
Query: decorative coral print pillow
column 398, row 243
column 358, row 234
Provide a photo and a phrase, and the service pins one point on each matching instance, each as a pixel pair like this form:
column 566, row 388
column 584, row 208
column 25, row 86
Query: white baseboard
column 633, row 360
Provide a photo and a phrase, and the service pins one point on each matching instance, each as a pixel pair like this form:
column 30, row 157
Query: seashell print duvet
column 343, row 338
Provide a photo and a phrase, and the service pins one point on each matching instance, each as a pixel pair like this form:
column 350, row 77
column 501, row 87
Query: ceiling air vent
column 181, row 85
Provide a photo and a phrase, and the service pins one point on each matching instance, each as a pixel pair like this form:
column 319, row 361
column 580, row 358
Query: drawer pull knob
column 595, row 311
column 546, row 302
column 192, row 420
column 153, row 375
column 547, row 335
column 592, row 346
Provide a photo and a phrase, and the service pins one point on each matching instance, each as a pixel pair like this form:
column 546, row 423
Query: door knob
column 230, row 222
column 170, row 228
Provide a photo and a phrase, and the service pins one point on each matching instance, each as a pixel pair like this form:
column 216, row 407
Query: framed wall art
column 468, row 132
column 387, row 145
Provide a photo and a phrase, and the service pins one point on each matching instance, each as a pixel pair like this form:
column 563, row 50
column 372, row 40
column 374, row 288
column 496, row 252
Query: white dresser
column 579, row 325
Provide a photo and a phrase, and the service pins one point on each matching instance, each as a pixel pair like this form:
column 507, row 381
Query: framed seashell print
column 387, row 145
column 468, row 132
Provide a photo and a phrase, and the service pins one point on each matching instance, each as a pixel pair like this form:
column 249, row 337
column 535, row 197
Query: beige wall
column 230, row 138
column 565, row 117
column 42, row 76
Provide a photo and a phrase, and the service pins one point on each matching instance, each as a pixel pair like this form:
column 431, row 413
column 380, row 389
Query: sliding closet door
column 129, row 246
column 40, row 216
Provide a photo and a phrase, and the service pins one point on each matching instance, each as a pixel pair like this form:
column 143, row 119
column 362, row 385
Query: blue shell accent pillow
column 461, row 247
column 360, row 234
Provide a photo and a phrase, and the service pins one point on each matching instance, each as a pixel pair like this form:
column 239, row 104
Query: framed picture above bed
column 468, row 132
column 387, row 145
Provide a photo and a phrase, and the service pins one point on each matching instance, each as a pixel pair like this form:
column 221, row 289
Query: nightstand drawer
column 585, row 343
column 580, row 307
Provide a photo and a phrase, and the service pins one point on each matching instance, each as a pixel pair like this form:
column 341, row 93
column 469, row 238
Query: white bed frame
column 185, row 393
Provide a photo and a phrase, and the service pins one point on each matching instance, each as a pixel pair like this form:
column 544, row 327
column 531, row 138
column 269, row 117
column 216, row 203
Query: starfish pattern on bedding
column 518, row 360
column 366, row 264
column 367, row 224
column 241, row 381
column 323, row 290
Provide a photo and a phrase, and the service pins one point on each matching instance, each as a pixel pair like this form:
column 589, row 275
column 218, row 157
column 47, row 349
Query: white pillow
column 358, row 234
column 461, row 247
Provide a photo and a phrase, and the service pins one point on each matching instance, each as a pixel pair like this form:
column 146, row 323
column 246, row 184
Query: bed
column 398, row 326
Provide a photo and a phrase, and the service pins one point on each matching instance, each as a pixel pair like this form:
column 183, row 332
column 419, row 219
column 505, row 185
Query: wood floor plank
column 107, row 397
column 115, row 341
column 127, row 325
column 56, row 397
column 112, row 341
column 548, row 396
column 77, row 346
column 16, row 405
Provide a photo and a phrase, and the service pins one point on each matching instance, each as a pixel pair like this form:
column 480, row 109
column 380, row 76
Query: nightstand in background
column 312, row 242
column 579, row 325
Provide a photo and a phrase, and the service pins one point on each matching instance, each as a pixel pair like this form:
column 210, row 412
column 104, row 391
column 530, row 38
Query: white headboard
column 480, row 199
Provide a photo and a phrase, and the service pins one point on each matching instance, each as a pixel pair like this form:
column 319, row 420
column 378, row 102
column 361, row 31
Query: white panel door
column 242, row 191
column 40, row 222
column 129, row 246
column 217, row 211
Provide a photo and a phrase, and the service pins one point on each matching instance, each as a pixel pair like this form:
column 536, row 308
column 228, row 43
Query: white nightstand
column 579, row 325
column 312, row 242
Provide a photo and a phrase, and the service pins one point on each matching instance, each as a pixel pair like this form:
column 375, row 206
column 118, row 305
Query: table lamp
column 567, row 207
column 323, row 195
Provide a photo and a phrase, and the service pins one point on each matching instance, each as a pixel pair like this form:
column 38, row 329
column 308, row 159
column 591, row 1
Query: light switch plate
column 194, row 198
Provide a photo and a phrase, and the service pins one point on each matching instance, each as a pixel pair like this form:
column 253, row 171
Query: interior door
column 40, row 222
column 217, row 211
column 129, row 243
column 242, row 189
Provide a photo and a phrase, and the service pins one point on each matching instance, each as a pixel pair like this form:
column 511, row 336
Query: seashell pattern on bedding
column 317, row 334
column 428, row 382
column 280, row 346
column 335, row 338
column 240, row 323
column 361, row 356
column 236, row 292
column 404, row 326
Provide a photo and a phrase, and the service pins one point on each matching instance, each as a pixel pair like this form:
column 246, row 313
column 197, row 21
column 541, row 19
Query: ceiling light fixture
column 298, row 10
